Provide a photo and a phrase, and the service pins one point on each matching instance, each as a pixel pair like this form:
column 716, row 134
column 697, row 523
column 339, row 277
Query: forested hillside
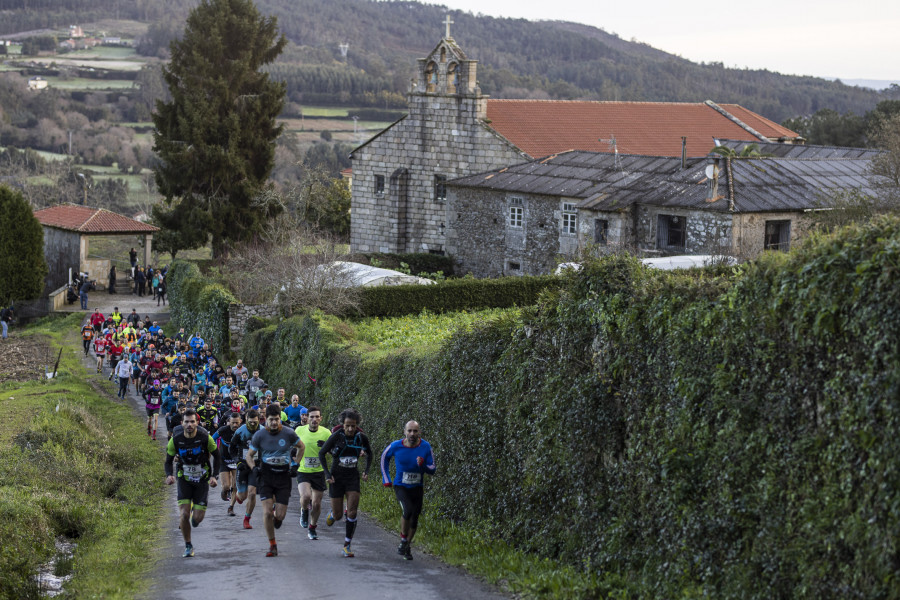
column 518, row 58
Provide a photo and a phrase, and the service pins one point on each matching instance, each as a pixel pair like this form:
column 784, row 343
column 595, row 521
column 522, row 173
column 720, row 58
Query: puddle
column 53, row 575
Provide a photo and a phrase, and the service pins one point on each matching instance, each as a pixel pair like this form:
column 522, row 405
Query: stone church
column 452, row 130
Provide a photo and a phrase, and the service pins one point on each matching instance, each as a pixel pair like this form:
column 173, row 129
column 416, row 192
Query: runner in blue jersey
column 273, row 446
column 412, row 460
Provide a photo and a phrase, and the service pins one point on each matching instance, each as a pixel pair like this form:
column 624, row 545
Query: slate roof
column 543, row 127
column 84, row 219
column 803, row 150
column 605, row 182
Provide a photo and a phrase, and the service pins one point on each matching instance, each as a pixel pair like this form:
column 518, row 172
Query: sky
column 827, row 38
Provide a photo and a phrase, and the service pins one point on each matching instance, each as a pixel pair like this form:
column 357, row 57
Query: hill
column 518, row 58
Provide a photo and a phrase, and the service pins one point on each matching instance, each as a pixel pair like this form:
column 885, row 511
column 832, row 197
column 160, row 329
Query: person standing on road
column 412, row 459
column 345, row 446
column 132, row 258
column 140, row 281
column 83, row 293
column 161, row 292
column 310, row 475
column 6, row 316
column 112, row 279
column 273, row 446
column 123, row 372
column 193, row 448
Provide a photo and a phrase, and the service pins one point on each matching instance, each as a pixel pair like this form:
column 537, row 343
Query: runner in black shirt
column 229, row 463
column 345, row 446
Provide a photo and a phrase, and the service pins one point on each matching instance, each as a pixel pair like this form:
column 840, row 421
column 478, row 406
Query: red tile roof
column 543, row 127
column 85, row 219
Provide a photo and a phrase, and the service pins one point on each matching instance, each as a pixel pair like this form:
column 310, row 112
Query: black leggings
column 411, row 500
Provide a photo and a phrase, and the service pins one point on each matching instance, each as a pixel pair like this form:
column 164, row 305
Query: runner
column 246, row 476
column 153, row 400
column 345, row 446
column 229, row 463
column 87, row 334
column 310, row 475
column 412, row 459
column 273, row 446
column 293, row 412
column 97, row 320
column 193, row 446
column 123, row 372
column 100, row 351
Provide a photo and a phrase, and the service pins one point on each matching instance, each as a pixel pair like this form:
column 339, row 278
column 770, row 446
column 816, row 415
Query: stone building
column 453, row 130
column 526, row 218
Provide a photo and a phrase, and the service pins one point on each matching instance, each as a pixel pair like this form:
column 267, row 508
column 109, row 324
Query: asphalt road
column 230, row 562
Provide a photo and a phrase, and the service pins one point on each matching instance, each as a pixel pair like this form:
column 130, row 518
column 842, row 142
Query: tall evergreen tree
column 22, row 264
column 216, row 137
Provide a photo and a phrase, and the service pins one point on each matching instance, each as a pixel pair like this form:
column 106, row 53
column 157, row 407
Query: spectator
column 132, row 257
column 83, row 293
column 6, row 316
column 140, row 281
column 112, row 279
column 161, row 292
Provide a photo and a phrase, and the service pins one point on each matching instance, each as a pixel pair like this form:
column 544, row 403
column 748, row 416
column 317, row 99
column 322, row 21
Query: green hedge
column 199, row 304
column 703, row 434
column 454, row 295
column 418, row 262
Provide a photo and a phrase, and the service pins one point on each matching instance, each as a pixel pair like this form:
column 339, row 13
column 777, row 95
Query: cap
column 303, row 411
column 269, row 393
column 156, row 382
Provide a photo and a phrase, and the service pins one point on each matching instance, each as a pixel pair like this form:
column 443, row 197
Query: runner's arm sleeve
column 323, row 455
column 430, row 467
column 385, row 465
column 365, row 441
column 217, row 457
column 170, row 458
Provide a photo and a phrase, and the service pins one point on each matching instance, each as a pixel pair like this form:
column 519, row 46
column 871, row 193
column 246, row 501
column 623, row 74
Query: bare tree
column 885, row 168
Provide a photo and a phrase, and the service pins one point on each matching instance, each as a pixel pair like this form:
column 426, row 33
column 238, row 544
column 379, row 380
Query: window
column 601, row 231
column 440, row 188
column 778, row 235
column 436, row 252
column 514, row 266
column 670, row 232
column 516, row 216
column 569, row 219
column 379, row 185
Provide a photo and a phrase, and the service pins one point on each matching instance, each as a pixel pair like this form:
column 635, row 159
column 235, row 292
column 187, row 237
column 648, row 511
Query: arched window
column 453, row 78
column 431, row 77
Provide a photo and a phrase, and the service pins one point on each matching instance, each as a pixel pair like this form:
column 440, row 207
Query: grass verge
column 491, row 559
column 75, row 464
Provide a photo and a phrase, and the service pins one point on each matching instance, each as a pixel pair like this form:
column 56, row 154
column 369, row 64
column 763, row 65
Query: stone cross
column 448, row 23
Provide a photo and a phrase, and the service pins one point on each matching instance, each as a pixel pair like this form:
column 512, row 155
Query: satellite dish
column 710, row 171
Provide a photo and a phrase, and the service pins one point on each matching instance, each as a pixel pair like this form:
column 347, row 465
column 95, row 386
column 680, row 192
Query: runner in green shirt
column 310, row 475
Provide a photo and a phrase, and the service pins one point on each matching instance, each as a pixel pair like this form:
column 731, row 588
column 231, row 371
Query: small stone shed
column 67, row 230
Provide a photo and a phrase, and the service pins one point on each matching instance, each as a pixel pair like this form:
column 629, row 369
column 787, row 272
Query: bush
column 22, row 264
column 199, row 304
column 701, row 434
column 418, row 262
column 454, row 295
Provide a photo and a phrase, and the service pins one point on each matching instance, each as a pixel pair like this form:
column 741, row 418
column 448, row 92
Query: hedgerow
column 198, row 304
column 729, row 434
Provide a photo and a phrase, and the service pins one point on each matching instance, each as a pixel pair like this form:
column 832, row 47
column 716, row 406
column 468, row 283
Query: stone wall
column 483, row 242
column 707, row 232
column 239, row 314
column 750, row 231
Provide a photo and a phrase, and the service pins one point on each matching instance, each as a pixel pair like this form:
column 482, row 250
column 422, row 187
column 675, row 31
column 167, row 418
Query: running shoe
column 247, row 524
column 277, row 523
column 231, row 512
column 329, row 520
column 304, row 518
column 346, row 551
column 401, row 549
column 273, row 551
column 311, row 534
column 223, row 495
column 188, row 551
column 408, row 554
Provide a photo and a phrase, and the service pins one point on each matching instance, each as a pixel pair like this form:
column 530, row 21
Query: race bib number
column 244, row 455
column 231, row 463
column 411, row 478
column 311, row 462
column 348, row 462
column 192, row 472
column 277, row 461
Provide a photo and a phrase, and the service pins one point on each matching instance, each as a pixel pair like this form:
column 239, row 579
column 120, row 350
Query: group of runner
column 228, row 430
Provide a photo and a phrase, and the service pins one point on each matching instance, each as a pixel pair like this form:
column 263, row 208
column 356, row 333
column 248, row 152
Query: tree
column 22, row 264
column 885, row 167
column 216, row 137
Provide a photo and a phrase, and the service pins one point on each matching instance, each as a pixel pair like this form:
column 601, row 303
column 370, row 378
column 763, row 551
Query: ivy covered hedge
column 454, row 295
column 199, row 304
column 703, row 434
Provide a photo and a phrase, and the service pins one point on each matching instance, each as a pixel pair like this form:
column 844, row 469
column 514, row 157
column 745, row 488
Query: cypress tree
column 22, row 264
column 216, row 137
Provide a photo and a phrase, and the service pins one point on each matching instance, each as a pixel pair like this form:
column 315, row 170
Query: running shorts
column 195, row 493
column 152, row 411
column 345, row 480
column 411, row 500
column 275, row 485
column 315, row 480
